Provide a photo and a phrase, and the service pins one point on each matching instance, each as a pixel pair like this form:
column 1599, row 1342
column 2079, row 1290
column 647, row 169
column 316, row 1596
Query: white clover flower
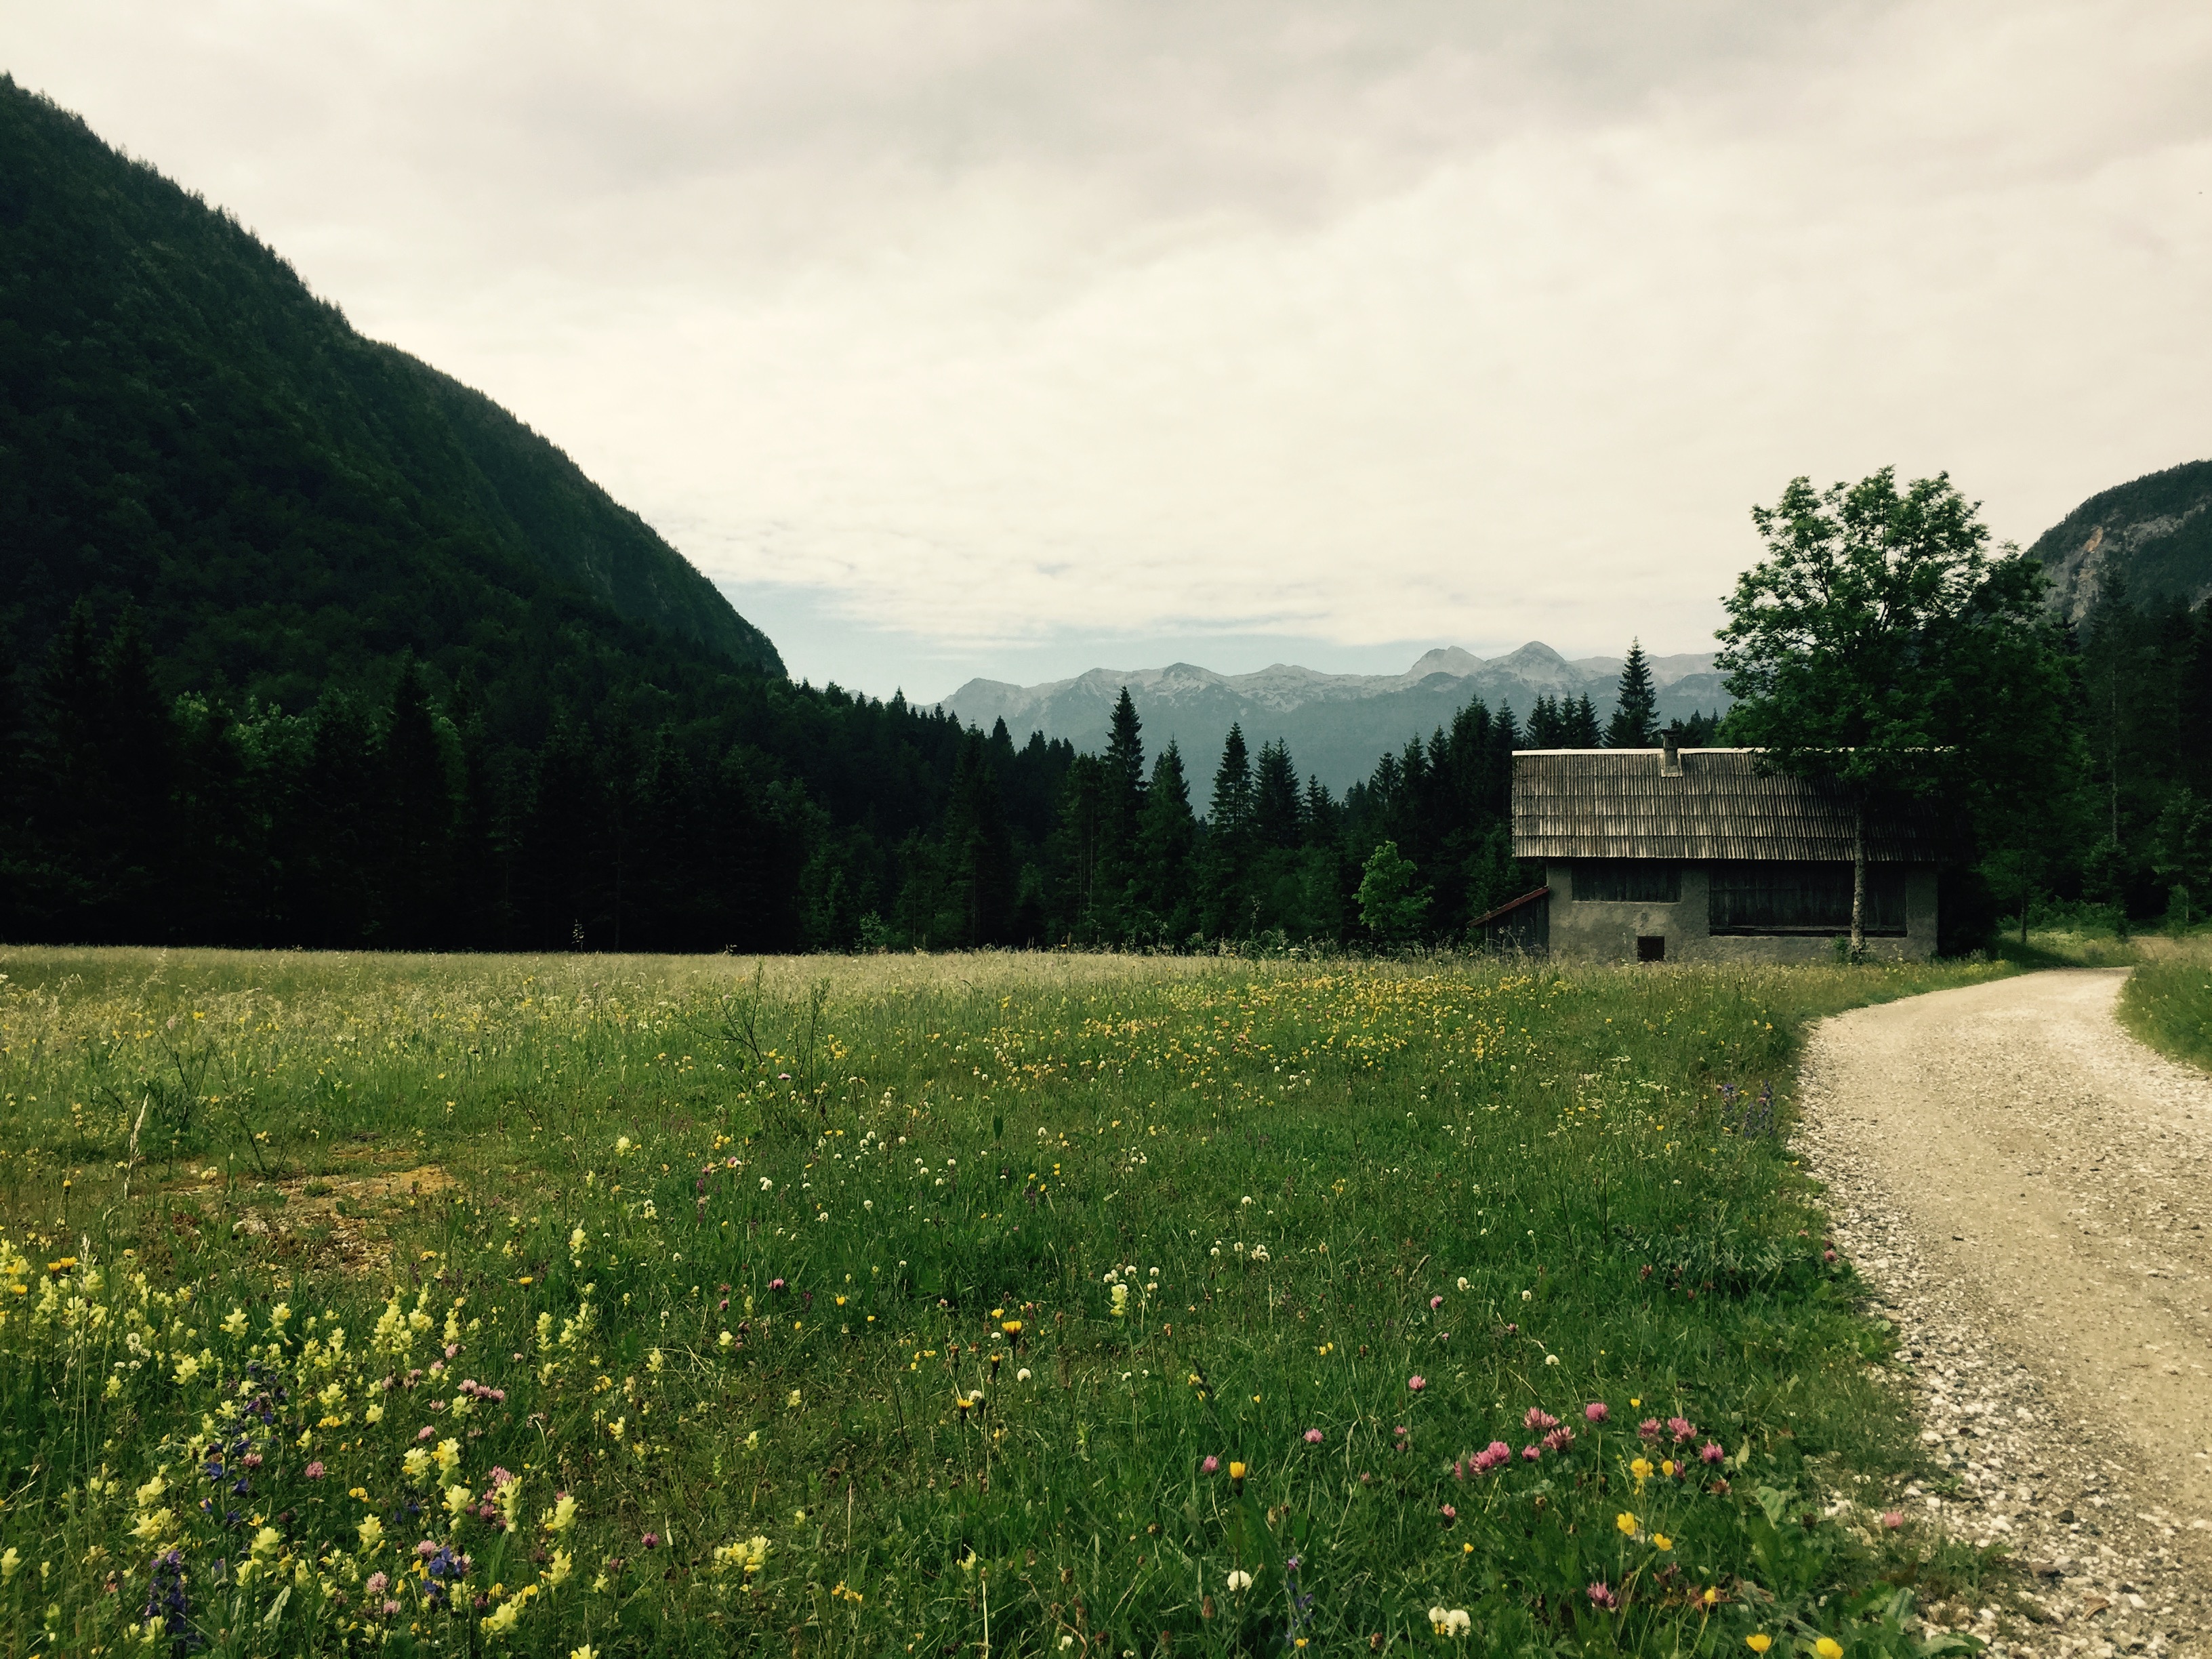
column 1239, row 1581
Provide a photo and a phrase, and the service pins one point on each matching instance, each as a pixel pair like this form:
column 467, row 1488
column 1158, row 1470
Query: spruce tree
column 1277, row 811
column 1581, row 724
column 1166, row 833
column 416, row 797
column 1229, row 837
column 1635, row 723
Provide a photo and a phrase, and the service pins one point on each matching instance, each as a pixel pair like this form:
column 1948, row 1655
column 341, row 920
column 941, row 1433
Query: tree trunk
column 1859, row 880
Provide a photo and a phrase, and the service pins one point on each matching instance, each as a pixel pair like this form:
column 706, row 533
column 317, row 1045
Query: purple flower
column 1894, row 1519
column 377, row 1583
column 1682, row 1429
column 1435, row 1303
column 775, row 1284
column 1490, row 1457
column 1313, row 1437
column 1649, row 1428
column 1597, row 1411
column 1711, row 1452
column 1600, row 1594
column 425, row 1432
column 1449, row 1514
column 1530, row 1454
column 652, row 1540
column 1416, row 1383
column 1558, row 1440
column 1538, row 1418
column 1210, row 1465
column 315, row 1470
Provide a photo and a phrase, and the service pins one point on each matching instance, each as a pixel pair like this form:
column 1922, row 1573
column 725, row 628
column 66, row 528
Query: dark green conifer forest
column 305, row 644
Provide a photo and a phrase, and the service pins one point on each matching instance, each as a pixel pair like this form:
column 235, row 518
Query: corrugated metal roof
column 1622, row 804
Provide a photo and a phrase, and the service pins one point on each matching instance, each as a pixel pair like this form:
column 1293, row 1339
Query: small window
column 1629, row 881
column 1651, row 947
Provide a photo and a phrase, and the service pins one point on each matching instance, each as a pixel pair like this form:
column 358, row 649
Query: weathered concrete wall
column 1592, row 930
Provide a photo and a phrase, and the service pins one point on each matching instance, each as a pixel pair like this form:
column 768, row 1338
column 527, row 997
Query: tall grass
column 2167, row 1000
column 909, row 1303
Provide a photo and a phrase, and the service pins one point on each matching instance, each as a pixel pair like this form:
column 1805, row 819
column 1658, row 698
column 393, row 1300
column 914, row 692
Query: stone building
column 1696, row 856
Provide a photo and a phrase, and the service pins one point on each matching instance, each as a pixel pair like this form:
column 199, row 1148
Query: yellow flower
column 1828, row 1647
column 1661, row 1541
column 1236, row 1471
column 1666, row 1468
column 1641, row 1469
column 1758, row 1644
column 1627, row 1522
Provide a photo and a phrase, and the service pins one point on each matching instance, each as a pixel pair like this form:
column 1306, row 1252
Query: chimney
column 1671, row 755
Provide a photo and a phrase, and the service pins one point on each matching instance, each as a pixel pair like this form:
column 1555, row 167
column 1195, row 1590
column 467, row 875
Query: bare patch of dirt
column 336, row 1220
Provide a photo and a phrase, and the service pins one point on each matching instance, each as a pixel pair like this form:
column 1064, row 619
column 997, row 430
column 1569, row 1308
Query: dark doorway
column 1651, row 947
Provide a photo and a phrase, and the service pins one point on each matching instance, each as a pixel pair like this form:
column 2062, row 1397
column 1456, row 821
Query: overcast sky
column 1015, row 337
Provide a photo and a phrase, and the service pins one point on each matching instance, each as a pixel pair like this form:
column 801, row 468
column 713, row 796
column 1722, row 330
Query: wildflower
column 1449, row 1514
column 1538, row 1418
column 562, row 1516
column 1313, row 1437
column 775, row 1284
column 558, row 1570
column 1239, row 1580
column 1236, row 1471
column 1666, row 1468
column 372, row 1533
column 1531, row 1453
column 1416, row 1383
column 1450, row 1622
column 1558, row 1440
column 1641, row 1469
column 622, row 1146
column 1894, row 1519
column 1828, row 1647
column 314, row 1471
column 1435, row 1303
column 1209, row 1464
column 651, row 1540
column 377, row 1583
column 1601, row 1596
column 10, row 1564
column 1551, row 1359
column 792, row 1402
column 1597, row 1412
column 1759, row 1642
column 234, row 1325
column 1627, row 1523
column 1463, row 1285
column 1649, row 1428
column 1023, row 1374
column 1492, row 1456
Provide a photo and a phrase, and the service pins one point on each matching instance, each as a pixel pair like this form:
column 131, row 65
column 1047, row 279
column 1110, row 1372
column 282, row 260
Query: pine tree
column 1635, row 723
column 1229, row 837
column 979, row 853
column 1165, row 835
column 1277, row 811
column 1580, row 723
column 416, row 797
column 1546, row 730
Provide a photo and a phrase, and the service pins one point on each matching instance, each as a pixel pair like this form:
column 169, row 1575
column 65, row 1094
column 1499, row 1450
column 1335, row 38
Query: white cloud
column 998, row 321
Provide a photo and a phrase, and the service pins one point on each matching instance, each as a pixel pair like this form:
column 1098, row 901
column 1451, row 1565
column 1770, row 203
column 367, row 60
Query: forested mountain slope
column 185, row 426
column 2155, row 534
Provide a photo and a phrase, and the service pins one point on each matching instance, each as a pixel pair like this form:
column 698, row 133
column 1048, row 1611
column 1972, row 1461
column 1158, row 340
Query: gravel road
column 2022, row 1184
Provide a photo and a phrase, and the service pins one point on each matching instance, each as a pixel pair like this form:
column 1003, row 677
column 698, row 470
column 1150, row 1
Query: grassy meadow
column 2167, row 1000
column 1018, row 1305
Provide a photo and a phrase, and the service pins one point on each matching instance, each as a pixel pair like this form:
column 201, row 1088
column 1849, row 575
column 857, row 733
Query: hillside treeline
column 765, row 817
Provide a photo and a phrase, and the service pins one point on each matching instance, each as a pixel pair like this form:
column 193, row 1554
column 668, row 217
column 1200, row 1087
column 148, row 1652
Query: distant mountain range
column 1336, row 724
column 2155, row 533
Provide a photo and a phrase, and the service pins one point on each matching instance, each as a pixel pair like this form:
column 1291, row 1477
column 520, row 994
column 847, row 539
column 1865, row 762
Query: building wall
column 1584, row 929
